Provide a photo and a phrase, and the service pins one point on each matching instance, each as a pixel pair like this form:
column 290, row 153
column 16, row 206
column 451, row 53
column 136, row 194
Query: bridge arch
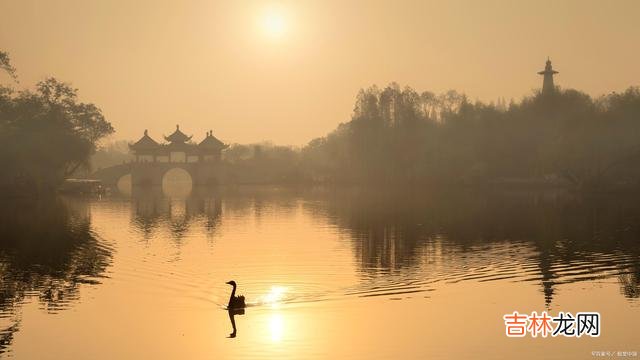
column 177, row 181
column 124, row 184
column 110, row 176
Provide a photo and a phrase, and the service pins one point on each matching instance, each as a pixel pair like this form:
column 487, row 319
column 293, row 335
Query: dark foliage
column 401, row 136
column 46, row 135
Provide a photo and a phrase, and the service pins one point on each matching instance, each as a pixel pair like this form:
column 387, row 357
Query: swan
column 235, row 302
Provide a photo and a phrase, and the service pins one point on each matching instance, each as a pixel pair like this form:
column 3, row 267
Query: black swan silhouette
column 235, row 302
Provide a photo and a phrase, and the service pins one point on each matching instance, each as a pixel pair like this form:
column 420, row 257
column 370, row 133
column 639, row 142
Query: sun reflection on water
column 276, row 327
column 275, row 296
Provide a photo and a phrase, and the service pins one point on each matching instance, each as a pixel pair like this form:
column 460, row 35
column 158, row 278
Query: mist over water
column 321, row 269
column 319, row 180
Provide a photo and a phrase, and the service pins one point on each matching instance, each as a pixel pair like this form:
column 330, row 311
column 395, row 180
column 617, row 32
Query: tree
column 5, row 64
column 46, row 135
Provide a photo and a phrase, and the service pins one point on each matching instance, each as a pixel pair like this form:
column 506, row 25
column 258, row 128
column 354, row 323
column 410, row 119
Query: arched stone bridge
column 111, row 175
column 153, row 160
column 151, row 174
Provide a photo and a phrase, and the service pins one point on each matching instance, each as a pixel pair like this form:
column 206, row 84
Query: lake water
column 328, row 273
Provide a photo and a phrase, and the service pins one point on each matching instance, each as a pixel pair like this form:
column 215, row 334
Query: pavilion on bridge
column 179, row 149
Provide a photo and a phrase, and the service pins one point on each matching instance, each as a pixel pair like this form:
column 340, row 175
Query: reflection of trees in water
column 47, row 249
column 567, row 234
column 629, row 283
column 6, row 336
column 153, row 210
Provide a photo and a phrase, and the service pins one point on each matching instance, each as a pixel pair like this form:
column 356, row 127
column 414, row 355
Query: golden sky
column 289, row 71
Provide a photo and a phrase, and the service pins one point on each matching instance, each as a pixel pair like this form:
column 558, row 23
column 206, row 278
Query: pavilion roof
column 178, row 136
column 211, row 142
column 145, row 142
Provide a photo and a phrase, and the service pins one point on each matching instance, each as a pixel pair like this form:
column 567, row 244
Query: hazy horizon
column 289, row 71
column 388, row 179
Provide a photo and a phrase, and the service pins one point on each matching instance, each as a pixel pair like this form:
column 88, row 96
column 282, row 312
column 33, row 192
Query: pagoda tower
column 547, row 83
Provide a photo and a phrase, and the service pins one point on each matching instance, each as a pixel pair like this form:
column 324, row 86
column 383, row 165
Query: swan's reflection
column 232, row 314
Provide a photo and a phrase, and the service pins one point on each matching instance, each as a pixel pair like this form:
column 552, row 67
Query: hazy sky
column 289, row 71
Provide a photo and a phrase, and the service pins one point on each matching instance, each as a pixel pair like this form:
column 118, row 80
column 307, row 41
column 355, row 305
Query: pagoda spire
column 547, row 83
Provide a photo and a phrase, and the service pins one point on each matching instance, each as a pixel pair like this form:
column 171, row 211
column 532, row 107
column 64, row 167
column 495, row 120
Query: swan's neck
column 233, row 293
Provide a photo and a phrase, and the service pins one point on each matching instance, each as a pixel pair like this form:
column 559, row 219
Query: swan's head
column 232, row 283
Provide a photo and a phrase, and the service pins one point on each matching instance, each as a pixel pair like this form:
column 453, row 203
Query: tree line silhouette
column 395, row 136
column 401, row 136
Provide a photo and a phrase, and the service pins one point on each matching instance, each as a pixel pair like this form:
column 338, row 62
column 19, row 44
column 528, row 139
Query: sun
column 274, row 23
